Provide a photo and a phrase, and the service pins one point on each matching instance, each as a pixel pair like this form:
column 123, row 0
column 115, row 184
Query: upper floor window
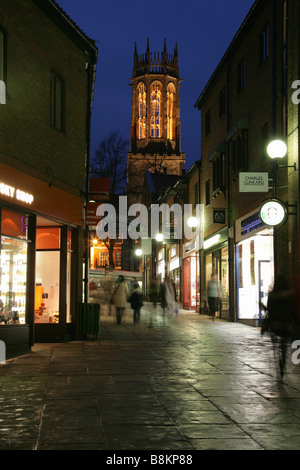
column 57, row 102
column 155, row 107
column 170, row 112
column 2, row 68
column 219, row 172
column 239, row 151
column 222, row 102
column 141, row 106
column 207, row 122
column 207, row 193
column 2, row 54
column 264, row 44
column 241, row 77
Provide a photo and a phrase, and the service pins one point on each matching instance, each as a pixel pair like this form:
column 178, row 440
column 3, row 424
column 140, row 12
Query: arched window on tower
column 170, row 112
column 141, row 108
column 156, row 110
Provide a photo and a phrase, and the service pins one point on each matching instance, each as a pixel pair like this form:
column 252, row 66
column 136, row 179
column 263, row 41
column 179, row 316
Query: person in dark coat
column 281, row 309
column 136, row 301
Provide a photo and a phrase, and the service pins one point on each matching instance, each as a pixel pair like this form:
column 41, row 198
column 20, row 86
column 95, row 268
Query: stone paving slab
column 176, row 384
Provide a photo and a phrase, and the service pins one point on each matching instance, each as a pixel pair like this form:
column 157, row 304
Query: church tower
column 155, row 119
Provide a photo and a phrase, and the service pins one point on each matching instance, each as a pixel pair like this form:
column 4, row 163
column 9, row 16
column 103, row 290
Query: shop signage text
column 15, row 193
column 256, row 182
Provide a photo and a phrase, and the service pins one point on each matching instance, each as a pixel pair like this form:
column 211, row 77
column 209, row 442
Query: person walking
column 119, row 297
column 281, row 308
column 136, row 301
column 214, row 294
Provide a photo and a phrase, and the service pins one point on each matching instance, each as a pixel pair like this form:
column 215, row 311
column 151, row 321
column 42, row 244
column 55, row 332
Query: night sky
column 202, row 29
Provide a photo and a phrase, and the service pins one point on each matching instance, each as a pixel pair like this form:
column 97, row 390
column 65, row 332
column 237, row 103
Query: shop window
column 47, row 283
column 47, row 287
column 13, row 224
column 118, row 259
column 48, row 238
column 13, row 273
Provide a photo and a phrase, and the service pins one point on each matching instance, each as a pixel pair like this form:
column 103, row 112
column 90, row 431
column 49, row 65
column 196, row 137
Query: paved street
column 179, row 384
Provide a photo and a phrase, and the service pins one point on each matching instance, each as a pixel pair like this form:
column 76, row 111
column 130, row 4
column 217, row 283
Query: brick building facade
column 48, row 66
column 246, row 104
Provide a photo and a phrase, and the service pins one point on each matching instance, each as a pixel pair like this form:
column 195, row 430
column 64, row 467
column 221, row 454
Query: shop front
column 161, row 264
column 216, row 262
column 174, row 269
column 191, row 283
column 39, row 262
column 254, row 266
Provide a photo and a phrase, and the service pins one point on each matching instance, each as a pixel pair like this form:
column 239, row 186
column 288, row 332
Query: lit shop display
column 161, row 265
column 254, row 265
column 191, row 297
column 174, row 268
column 13, row 266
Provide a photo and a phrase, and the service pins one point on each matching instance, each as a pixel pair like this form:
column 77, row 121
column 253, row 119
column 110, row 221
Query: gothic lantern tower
column 155, row 119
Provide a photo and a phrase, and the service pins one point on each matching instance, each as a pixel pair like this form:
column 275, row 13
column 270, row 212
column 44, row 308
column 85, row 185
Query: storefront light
column 211, row 241
column 159, row 237
column 138, row 252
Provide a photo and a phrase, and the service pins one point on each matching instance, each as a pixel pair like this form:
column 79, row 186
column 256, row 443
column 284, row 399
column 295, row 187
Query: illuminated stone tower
column 155, row 119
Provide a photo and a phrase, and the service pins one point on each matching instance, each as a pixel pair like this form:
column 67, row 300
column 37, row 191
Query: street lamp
column 277, row 149
column 192, row 222
column 138, row 252
column 159, row 237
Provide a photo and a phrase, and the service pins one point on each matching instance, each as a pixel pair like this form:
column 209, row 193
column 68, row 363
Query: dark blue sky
column 203, row 29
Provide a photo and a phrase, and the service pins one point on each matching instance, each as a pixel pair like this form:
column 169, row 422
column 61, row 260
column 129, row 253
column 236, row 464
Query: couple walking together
column 121, row 296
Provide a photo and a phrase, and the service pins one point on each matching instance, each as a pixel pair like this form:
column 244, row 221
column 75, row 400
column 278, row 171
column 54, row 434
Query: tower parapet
column 156, row 62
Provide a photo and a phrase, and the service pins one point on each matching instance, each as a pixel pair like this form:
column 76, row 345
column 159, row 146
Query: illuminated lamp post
column 273, row 211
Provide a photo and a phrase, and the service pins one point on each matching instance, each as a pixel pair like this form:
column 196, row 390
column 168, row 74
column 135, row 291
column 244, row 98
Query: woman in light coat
column 119, row 297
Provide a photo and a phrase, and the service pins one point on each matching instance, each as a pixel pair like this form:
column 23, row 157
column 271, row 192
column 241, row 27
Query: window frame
column 58, row 103
column 241, row 75
column 265, row 43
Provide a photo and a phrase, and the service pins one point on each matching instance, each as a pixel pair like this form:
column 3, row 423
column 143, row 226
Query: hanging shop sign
column 257, row 182
column 273, row 212
column 219, row 216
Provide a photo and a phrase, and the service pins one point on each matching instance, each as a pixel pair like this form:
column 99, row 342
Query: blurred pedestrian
column 163, row 296
column 281, row 308
column 154, row 292
column 214, row 294
column 108, row 289
column 132, row 284
column 136, row 301
column 119, row 297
